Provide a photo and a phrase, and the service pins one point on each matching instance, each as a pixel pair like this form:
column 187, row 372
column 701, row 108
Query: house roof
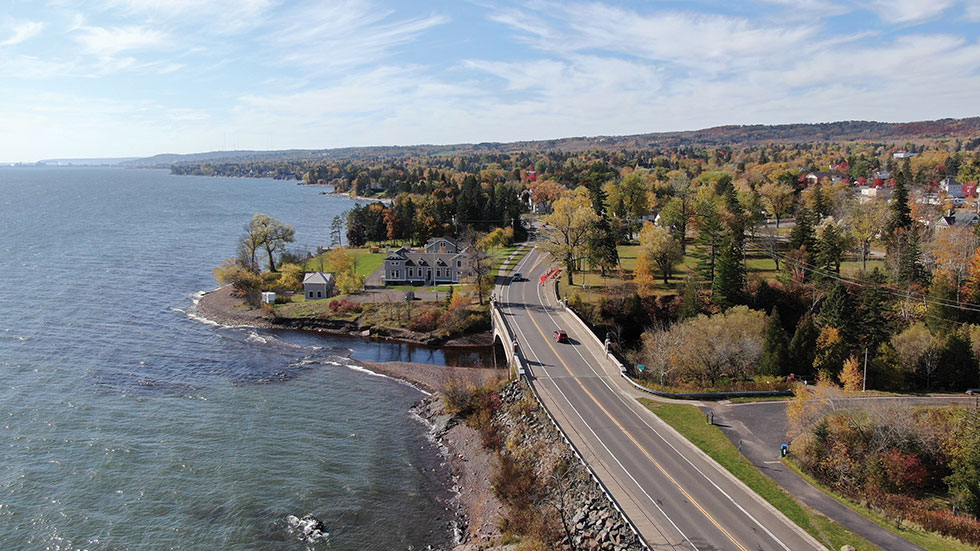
column 318, row 277
column 959, row 218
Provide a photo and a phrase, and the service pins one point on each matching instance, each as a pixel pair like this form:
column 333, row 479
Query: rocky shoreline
column 221, row 306
column 588, row 515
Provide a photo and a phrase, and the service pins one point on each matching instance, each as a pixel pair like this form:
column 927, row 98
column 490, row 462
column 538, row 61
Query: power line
column 968, row 307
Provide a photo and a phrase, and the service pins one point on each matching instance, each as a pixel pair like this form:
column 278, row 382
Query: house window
column 318, row 295
column 459, row 263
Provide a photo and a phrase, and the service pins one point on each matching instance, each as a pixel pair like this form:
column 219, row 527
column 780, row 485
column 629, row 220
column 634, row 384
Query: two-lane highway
column 676, row 496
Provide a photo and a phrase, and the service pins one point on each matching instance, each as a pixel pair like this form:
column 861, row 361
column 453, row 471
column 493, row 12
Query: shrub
column 425, row 321
column 457, row 395
column 344, row 306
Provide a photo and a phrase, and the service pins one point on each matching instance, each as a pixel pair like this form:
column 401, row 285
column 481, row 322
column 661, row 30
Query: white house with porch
column 440, row 261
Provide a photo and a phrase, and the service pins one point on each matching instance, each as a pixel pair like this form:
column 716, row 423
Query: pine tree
column 957, row 365
column 909, row 250
column 837, row 311
column 964, row 480
column 775, row 348
column 726, row 289
column 802, row 234
column 901, row 214
column 941, row 312
column 830, row 250
column 601, row 249
column 690, row 305
column 710, row 240
column 874, row 326
column 802, row 348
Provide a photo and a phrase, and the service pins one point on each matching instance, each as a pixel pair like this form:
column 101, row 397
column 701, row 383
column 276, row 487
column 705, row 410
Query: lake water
column 125, row 424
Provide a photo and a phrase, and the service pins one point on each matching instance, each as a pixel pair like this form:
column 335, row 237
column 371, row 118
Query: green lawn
column 367, row 262
column 689, row 421
column 499, row 256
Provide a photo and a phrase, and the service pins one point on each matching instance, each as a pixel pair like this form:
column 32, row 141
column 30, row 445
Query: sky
column 113, row 78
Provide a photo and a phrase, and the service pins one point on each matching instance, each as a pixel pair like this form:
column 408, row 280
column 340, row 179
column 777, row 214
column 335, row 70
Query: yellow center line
column 632, row 439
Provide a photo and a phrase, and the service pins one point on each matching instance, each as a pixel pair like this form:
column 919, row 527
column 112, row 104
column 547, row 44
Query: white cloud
column 691, row 40
column 225, row 16
column 325, row 37
column 108, row 41
column 23, row 31
column 811, row 7
column 972, row 10
column 910, row 11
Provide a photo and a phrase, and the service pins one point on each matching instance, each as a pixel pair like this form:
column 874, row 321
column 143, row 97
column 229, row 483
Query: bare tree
column 561, row 482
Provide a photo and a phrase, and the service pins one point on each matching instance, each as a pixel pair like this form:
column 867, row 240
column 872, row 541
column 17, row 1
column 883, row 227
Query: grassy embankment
column 927, row 540
column 689, row 421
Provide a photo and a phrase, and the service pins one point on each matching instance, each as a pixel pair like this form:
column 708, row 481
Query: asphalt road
column 676, row 496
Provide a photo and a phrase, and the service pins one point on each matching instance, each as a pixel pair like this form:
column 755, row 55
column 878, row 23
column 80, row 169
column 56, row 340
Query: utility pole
column 864, row 384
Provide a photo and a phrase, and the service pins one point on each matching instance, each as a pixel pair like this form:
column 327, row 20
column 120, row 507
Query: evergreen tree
column 470, row 201
column 601, row 249
column 957, row 365
column 837, row 311
column 941, row 312
column 908, row 247
column 802, row 348
column 901, row 214
column 775, row 349
column 690, row 305
column 803, row 234
column 710, row 240
column 830, row 250
column 726, row 289
column 874, row 326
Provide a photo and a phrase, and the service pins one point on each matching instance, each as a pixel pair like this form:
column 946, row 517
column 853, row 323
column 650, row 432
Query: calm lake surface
column 126, row 424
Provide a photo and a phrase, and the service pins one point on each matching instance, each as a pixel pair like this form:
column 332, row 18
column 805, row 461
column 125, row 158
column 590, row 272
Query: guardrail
column 524, row 373
column 629, row 522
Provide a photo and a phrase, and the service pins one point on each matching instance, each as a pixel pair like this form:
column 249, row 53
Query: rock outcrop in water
column 308, row 529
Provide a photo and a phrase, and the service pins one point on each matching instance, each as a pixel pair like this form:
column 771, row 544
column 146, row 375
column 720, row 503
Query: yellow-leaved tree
column 659, row 248
column 567, row 228
column 850, row 376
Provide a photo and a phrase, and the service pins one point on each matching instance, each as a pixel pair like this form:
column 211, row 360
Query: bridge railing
column 523, row 373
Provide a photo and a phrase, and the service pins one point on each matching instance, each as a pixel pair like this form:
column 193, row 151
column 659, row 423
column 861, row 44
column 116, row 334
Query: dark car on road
column 516, row 276
column 561, row 336
column 973, row 391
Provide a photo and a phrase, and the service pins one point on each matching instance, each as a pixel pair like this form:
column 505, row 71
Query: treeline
column 446, row 210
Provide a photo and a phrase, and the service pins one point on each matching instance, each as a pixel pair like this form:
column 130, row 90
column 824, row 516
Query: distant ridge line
column 727, row 135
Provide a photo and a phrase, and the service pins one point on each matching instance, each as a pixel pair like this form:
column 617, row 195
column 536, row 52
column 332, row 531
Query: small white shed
column 317, row 285
column 268, row 297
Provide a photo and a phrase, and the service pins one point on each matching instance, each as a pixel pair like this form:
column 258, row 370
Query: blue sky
column 140, row 77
